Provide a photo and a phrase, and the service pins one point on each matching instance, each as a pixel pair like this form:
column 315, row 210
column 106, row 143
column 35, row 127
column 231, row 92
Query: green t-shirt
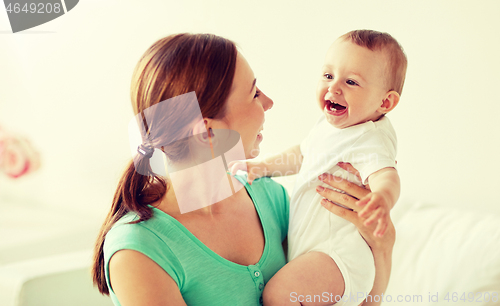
column 204, row 277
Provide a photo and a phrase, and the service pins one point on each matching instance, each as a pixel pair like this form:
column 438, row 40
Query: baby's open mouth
column 334, row 107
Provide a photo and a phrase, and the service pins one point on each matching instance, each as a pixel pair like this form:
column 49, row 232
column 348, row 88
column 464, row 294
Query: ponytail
column 134, row 193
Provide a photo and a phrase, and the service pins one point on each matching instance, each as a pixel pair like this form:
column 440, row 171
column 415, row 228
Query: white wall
column 65, row 84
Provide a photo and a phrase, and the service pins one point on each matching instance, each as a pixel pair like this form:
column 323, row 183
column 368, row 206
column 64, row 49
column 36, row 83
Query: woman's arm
column 383, row 263
column 381, row 246
column 137, row 280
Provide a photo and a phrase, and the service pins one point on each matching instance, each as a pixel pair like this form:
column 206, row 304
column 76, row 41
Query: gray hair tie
column 146, row 150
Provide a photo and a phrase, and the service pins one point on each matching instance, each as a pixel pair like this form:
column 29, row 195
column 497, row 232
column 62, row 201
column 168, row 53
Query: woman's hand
column 381, row 246
column 349, row 199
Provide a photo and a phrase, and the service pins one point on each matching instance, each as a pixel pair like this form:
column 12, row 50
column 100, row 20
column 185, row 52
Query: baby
column 361, row 80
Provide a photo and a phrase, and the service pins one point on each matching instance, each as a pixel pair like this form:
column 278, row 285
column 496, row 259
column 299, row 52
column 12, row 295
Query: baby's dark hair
column 397, row 61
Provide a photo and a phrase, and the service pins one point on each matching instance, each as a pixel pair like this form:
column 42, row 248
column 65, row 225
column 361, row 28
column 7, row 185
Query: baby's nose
column 334, row 88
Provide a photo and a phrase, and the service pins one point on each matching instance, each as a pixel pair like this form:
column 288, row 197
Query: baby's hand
column 376, row 206
column 254, row 169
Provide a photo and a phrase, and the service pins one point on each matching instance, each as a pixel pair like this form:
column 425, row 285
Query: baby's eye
column 351, row 82
column 257, row 94
column 328, row 76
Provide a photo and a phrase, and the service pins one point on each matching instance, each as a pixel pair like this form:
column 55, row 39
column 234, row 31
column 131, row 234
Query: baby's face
column 352, row 85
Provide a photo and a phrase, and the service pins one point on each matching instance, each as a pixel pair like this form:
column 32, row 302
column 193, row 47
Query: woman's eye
column 328, row 76
column 257, row 94
column 351, row 82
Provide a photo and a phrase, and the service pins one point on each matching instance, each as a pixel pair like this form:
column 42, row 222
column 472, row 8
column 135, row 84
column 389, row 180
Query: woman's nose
column 267, row 102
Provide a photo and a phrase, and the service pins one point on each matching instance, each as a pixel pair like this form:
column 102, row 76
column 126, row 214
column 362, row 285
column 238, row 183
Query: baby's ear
column 390, row 101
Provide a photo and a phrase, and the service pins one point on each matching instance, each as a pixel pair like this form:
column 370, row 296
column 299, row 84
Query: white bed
column 446, row 255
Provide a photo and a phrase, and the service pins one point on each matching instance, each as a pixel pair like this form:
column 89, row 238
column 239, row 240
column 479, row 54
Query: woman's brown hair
column 174, row 65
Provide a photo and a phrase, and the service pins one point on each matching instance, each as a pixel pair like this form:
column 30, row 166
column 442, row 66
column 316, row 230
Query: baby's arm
column 287, row 162
column 385, row 189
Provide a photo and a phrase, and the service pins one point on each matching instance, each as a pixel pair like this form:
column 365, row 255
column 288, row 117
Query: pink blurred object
column 17, row 155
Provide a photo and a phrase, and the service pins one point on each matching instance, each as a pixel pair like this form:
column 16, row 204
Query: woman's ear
column 200, row 130
column 390, row 101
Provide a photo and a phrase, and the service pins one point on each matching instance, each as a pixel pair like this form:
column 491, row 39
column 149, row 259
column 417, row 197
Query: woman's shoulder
column 125, row 234
column 144, row 236
column 153, row 238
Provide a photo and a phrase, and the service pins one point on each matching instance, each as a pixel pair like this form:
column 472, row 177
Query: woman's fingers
column 338, row 197
column 349, row 168
column 357, row 192
column 346, row 214
column 345, row 185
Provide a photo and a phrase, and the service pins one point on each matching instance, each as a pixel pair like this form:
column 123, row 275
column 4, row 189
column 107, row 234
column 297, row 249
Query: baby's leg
column 310, row 279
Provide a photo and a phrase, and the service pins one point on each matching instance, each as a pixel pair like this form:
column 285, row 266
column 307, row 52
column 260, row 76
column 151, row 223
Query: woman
column 148, row 251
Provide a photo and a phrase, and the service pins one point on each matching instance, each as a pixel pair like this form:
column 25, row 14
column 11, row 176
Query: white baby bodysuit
column 369, row 147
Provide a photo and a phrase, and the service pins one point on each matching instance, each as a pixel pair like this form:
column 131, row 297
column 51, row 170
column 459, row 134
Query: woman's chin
column 253, row 154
